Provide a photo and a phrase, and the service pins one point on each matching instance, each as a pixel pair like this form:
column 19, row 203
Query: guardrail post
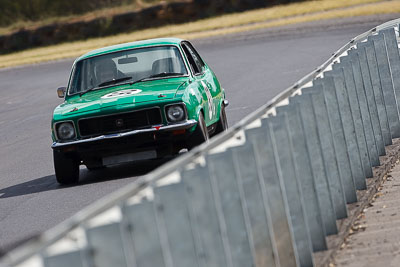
column 286, row 172
column 373, row 111
column 106, row 245
column 274, row 191
column 69, row 259
column 394, row 60
column 339, row 140
column 383, row 111
column 209, row 239
column 144, row 235
column 345, row 64
column 317, row 163
column 226, row 189
column 257, row 205
column 328, row 150
column 364, row 108
column 175, row 227
column 348, row 127
column 387, row 83
column 302, row 164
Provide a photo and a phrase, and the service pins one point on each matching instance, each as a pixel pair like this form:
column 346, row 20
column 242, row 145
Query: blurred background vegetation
column 31, row 23
column 33, row 31
column 19, row 12
column 35, row 10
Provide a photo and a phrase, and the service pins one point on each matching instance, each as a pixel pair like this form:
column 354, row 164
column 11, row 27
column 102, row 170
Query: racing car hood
column 119, row 96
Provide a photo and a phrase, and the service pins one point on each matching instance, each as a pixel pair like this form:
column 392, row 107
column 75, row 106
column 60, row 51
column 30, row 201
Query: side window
column 192, row 63
column 76, row 79
column 194, row 59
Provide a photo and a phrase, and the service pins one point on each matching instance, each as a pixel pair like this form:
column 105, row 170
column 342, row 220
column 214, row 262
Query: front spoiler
column 178, row 126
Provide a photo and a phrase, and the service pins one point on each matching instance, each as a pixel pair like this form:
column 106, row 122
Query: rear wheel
column 66, row 166
column 222, row 124
column 200, row 134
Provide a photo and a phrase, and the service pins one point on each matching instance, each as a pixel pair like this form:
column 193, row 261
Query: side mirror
column 61, row 92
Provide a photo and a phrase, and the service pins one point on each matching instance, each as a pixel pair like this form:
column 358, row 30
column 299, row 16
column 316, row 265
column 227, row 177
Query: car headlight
column 65, row 131
column 175, row 113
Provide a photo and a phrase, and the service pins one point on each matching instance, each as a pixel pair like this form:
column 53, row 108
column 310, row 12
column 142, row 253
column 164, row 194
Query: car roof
column 131, row 45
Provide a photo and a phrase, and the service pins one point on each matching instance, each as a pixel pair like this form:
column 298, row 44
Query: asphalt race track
column 252, row 67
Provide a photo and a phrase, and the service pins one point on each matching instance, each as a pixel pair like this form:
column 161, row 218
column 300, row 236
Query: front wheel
column 66, row 166
column 200, row 134
column 95, row 168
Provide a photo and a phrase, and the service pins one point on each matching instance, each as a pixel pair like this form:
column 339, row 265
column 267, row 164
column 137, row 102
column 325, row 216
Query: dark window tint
column 194, row 59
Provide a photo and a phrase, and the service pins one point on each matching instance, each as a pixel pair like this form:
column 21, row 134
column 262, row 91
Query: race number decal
column 211, row 108
column 122, row 93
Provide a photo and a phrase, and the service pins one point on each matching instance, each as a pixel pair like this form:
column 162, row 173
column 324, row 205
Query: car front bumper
column 162, row 128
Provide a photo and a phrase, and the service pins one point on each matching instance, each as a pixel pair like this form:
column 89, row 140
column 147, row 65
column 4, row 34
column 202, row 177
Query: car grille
column 120, row 122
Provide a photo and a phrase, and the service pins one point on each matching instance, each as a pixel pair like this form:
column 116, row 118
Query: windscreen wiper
column 114, row 81
column 140, row 80
column 162, row 74
column 154, row 76
column 165, row 74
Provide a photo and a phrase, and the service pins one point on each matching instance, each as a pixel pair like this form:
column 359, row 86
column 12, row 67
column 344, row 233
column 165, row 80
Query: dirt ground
column 374, row 238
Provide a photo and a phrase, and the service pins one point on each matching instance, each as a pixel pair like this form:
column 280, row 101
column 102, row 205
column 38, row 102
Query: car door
column 206, row 80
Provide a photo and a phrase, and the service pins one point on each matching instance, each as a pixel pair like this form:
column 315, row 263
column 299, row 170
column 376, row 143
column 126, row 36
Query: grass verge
column 226, row 24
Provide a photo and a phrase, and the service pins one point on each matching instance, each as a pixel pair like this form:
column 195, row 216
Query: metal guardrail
column 265, row 193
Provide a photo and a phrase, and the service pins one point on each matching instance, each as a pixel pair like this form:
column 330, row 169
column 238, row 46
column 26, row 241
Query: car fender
column 194, row 100
column 220, row 103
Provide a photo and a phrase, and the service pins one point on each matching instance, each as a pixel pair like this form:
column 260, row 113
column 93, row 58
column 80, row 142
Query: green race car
column 135, row 101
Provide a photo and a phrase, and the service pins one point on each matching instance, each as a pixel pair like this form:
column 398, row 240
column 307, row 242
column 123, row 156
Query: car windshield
column 126, row 67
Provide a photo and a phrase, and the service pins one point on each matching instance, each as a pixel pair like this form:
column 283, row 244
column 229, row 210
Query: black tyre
column 222, row 124
column 95, row 168
column 94, row 164
column 66, row 166
column 200, row 135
